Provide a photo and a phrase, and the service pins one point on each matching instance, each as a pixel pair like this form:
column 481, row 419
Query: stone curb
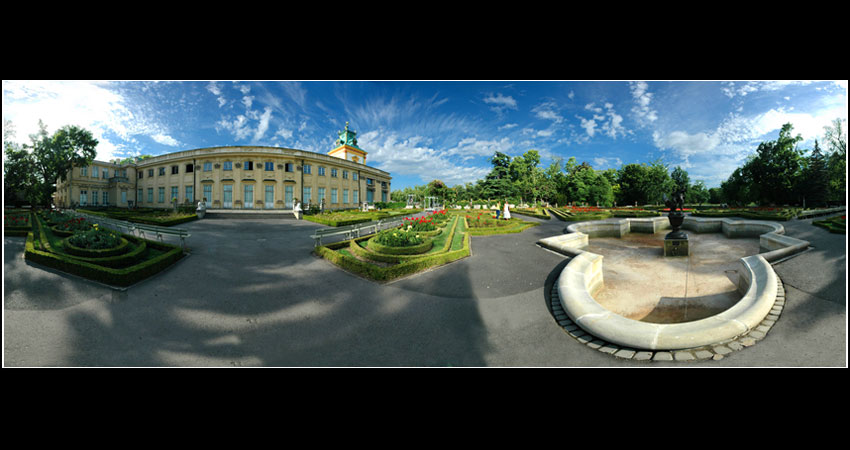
column 714, row 351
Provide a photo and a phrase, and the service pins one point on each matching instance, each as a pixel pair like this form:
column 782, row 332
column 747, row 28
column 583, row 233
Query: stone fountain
column 676, row 241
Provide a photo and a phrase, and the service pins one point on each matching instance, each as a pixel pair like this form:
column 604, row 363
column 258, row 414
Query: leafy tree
column 697, row 193
column 497, row 183
column 54, row 156
column 815, row 179
column 737, row 188
column 644, row 184
column 19, row 180
column 835, row 137
column 775, row 169
column 681, row 180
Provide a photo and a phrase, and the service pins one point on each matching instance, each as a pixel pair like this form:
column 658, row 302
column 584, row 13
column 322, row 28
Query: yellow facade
column 243, row 177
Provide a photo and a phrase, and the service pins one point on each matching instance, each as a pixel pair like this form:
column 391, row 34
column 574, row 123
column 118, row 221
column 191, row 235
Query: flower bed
column 131, row 261
column 16, row 223
column 400, row 242
column 763, row 213
column 539, row 213
column 837, row 224
column 159, row 217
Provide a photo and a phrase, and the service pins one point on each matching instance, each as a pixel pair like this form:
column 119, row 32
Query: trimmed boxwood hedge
column 412, row 250
column 532, row 213
column 833, row 225
column 404, row 264
column 71, row 249
column 781, row 215
column 120, row 270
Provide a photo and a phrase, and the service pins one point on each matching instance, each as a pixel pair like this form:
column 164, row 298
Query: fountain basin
column 581, row 279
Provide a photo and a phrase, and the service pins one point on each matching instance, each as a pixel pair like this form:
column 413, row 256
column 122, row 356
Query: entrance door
column 249, row 196
column 288, row 197
column 370, row 196
column 228, row 196
column 269, row 196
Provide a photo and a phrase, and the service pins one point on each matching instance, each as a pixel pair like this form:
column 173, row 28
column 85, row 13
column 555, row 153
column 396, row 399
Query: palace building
column 237, row 177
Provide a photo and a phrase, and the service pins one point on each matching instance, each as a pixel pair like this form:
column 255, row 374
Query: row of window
column 248, row 191
column 249, row 165
column 84, row 197
column 101, row 172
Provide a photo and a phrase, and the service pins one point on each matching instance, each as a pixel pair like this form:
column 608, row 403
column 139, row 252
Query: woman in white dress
column 507, row 214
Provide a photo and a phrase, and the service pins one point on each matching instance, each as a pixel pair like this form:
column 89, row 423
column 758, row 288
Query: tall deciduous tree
column 54, row 156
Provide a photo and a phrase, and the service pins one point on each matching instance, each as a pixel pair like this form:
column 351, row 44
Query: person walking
column 507, row 212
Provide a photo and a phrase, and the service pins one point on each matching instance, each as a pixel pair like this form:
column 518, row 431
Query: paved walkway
column 252, row 294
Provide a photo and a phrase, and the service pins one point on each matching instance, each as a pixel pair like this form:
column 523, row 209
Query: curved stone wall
column 582, row 277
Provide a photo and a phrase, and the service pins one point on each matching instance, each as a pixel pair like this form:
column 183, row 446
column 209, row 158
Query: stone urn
column 676, row 219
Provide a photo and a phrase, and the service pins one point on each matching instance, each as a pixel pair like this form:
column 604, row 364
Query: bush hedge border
column 95, row 271
column 72, row 249
column 385, row 274
column 831, row 225
column 412, row 250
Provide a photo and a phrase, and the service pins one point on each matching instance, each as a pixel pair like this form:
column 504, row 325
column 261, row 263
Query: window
column 344, row 174
column 190, row 194
column 306, row 195
column 84, row 171
column 105, row 173
column 123, row 197
column 207, row 167
column 105, row 198
column 307, row 169
column 140, row 195
column 321, row 171
column 84, row 197
column 345, row 196
column 94, row 171
column 161, row 194
column 228, row 165
column 269, row 165
column 161, row 171
column 369, row 181
column 175, row 170
column 141, row 174
column 150, row 195
column 333, row 195
column 383, row 184
column 150, row 173
column 321, row 197
column 384, row 196
column 190, row 168
column 333, row 173
column 354, row 176
column 289, row 167
column 173, row 193
column 208, row 192
column 355, row 198
column 94, row 198
column 248, row 165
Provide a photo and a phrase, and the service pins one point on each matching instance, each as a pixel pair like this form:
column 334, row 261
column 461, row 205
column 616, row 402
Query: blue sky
column 424, row 130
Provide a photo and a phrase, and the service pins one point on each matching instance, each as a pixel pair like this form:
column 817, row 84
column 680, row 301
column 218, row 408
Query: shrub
column 95, row 239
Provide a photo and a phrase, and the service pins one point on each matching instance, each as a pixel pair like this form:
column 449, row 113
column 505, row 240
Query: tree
column 54, row 156
column 775, row 169
column 835, row 137
column 815, row 179
column 497, row 183
column 644, row 184
column 19, row 180
column 697, row 193
column 681, row 180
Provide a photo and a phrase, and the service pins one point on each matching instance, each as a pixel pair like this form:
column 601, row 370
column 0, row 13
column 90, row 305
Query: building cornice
column 223, row 151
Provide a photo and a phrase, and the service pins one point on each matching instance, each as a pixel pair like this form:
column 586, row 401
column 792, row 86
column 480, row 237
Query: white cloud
column 508, row 126
column 547, row 111
column 95, row 106
column 264, row 124
column 409, row 157
column 215, row 89
column 589, row 125
column 642, row 98
column 501, row 102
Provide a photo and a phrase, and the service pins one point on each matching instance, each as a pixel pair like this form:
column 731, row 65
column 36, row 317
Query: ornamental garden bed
column 17, row 223
column 538, row 212
column 761, row 213
column 98, row 254
column 381, row 257
column 837, row 224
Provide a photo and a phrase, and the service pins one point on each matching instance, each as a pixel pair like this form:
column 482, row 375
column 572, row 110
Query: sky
column 419, row 131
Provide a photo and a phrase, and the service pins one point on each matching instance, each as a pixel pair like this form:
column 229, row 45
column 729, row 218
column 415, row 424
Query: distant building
column 238, row 177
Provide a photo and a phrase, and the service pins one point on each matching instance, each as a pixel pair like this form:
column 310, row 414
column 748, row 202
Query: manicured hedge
column 412, row 250
column 537, row 213
column 780, row 215
column 836, row 224
column 120, row 270
column 405, row 264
